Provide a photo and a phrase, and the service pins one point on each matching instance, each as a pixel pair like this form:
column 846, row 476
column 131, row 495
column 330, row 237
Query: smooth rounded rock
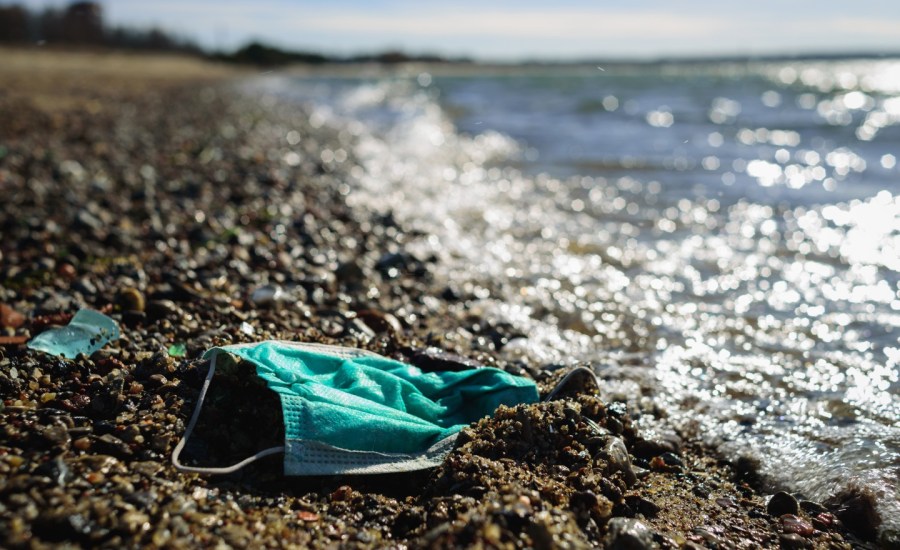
column 618, row 459
column 782, row 503
column 628, row 534
column 130, row 299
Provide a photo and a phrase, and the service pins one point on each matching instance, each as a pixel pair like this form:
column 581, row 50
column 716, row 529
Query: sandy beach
column 151, row 189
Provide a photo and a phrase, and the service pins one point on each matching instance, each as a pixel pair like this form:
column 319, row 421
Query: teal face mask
column 349, row 411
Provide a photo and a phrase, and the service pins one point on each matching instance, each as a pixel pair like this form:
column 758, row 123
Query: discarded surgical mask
column 350, row 411
column 87, row 332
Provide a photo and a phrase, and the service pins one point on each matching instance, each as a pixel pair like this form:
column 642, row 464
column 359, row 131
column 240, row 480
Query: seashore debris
column 87, row 332
column 351, row 411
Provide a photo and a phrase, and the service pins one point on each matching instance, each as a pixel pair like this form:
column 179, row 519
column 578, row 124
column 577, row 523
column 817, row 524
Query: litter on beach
column 351, row 411
column 87, row 332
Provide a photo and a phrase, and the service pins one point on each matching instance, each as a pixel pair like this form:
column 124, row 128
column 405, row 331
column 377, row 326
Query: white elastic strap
column 568, row 377
column 190, row 428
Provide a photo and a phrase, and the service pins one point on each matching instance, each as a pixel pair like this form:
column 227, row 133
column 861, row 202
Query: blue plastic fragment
column 87, row 332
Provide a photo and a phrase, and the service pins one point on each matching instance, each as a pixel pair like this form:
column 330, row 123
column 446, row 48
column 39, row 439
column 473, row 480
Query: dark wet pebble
column 56, row 435
column 112, row 445
column 811, row 507
column 163, row 309
column 55, row 469
column 782, row 503
column 628, row 534
column 380, row 321
column 657, row 444
column 350, row 274
column 641, row 505
column 793, row 541
column 130, row 299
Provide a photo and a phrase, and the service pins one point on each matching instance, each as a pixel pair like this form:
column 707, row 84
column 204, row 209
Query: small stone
column 56, row 435
column 95, row 478
column 793, row 524
column 824, row 521
column 66, row 271
column 811, row 507
column 130, row 299
column 267, row 295
column 135, row 522
column 160, row 442
column 618, row 459
column 110, row 444
column 236, row 536
column 642, row 505
column 379, row 321
column 598, row 506
column 56, row 469
column 147, row 468
column 628, row 534
column 793, row 541
column 350, row 274
column 162, row 309
column 342, row 493
column 782, row 503
column 651, row 444
column 304, row 515
column 10, row 318
column 82, row 443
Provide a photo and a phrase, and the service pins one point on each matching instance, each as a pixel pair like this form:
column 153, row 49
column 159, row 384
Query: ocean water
column 720, row 241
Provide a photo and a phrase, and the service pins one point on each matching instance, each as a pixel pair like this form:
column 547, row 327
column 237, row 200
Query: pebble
column 267, row 295
column 112, row 445
column 130, row 299
column 650, row 444
column 163, row 309
column 380, row 322
column 628, row 534
column 57, row 435
column 782, row 503
column 794, row 524
column 10, row 318
column 793, row 541
column 617, row 456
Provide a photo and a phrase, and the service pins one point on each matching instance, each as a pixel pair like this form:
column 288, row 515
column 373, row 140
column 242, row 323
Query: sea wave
column 766, row 330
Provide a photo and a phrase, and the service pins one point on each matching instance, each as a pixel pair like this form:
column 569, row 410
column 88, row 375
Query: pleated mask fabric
column 350, row 411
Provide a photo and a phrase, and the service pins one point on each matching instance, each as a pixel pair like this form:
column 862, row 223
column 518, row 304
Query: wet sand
column 150, row 189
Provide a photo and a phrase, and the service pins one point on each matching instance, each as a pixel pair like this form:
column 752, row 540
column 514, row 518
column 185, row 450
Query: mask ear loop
column 190, row 428
column 577, row 371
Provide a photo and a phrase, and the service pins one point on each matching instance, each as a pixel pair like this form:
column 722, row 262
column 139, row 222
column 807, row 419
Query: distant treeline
column 268, row 56
column 81, row 23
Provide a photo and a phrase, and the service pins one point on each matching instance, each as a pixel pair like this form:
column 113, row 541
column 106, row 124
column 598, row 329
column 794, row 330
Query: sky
column 510, row 30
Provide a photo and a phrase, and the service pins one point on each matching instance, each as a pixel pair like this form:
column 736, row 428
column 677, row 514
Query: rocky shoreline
column 196, row 216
